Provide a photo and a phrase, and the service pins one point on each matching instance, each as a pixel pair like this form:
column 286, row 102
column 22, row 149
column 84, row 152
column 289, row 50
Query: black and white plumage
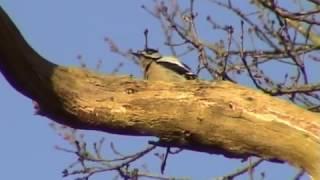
column 173, row 63
column 165, row 68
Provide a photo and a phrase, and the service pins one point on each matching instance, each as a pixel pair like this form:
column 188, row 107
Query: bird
column 162, row 68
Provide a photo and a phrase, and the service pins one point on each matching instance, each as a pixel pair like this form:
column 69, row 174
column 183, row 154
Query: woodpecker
column 162, row 68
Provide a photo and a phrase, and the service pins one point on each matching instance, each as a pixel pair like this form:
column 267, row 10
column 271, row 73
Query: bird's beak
column 137, row 54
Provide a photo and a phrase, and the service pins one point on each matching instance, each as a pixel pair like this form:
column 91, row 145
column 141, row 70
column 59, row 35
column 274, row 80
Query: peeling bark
column 213, row 117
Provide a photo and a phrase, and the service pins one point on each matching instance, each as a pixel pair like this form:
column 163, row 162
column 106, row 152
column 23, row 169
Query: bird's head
column 148, row 53
column 147, row 56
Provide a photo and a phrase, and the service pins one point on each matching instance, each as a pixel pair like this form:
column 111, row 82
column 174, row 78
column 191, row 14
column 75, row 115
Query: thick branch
column 213, row 117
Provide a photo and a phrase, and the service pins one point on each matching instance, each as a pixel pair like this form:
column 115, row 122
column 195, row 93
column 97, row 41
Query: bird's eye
column 151, row 51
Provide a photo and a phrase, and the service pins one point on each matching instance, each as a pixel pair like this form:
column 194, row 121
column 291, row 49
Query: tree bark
column 213, row 117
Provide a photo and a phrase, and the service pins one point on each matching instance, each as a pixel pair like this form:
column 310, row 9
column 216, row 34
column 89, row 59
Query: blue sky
column 60, row 31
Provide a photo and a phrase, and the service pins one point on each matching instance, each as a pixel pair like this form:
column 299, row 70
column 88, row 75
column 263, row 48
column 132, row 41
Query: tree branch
column 213, row 117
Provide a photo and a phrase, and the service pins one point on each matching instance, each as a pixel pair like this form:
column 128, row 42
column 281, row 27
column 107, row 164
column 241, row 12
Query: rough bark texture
column 213, row 117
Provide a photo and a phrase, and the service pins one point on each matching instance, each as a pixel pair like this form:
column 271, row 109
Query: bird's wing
column 174, row 67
